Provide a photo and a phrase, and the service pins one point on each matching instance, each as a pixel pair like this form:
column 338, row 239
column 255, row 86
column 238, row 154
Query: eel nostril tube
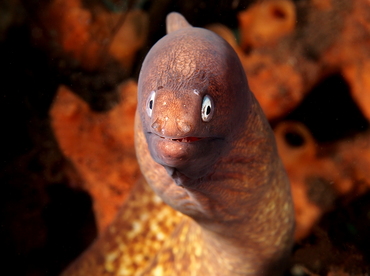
column 183, row 126
column 156, row 125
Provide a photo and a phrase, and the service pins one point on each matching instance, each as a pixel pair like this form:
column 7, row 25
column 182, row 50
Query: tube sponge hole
column 329, row 111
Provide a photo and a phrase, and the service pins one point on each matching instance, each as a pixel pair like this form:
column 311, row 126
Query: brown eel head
column 192, row 101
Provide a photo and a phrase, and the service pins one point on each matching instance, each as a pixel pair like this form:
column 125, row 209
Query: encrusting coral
column 100, row 147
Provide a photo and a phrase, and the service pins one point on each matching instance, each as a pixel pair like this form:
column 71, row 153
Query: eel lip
column 189, row 139
column 183, row 139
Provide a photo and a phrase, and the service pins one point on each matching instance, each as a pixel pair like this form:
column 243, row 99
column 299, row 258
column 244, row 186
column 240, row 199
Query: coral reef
column 100, row 147
column 68, row 107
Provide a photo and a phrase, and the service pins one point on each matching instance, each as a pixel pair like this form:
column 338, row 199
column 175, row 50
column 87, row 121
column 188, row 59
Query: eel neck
column 260, row 243
column 247, row 204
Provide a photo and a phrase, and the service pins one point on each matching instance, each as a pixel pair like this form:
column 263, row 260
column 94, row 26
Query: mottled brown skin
column 224, row 173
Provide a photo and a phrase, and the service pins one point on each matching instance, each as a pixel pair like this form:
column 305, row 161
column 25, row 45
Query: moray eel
column 206, row 149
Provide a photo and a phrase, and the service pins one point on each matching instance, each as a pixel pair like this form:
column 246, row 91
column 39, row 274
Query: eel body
column 206, row 148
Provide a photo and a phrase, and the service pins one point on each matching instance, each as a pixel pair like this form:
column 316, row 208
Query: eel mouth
column 187, row 139
column 183, row 139
column 190, row 156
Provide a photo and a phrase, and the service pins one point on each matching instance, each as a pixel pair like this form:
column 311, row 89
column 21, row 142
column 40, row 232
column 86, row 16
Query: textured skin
column 233, row 186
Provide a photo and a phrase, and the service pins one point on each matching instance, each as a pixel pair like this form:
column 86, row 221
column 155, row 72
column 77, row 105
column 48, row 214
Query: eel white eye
column 150, row 103
column 207, row 108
